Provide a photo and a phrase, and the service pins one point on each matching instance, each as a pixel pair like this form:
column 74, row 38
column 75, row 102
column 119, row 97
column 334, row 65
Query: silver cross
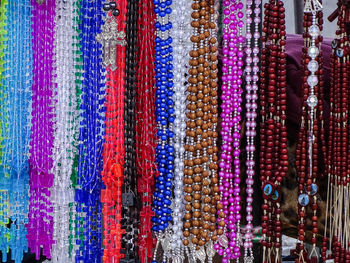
column 109, row 38
column 312, row 6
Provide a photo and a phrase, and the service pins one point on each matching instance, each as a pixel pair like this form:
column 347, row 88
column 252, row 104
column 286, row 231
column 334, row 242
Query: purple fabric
column 294, row 81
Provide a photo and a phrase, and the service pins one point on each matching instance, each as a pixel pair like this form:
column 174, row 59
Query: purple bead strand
column 231, row 129
column 251, row 70
column 40, row 226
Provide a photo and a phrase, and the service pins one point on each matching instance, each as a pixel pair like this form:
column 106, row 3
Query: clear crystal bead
column 313, row 51
column 312, row 66
column 314, row 31
column 312, row 80
column 312, row 101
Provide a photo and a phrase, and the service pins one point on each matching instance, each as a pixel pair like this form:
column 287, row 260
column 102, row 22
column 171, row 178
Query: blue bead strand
column 164, row 117
column 14, row 169
column 91, row 137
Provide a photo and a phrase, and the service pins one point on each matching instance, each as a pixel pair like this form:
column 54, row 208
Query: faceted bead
column 313, row 51
column 312, row 66
column 314, row 31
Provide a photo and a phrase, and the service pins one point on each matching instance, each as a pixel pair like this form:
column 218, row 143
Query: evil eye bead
column 334, row 44
column 275, row 196
column 340, row 52
column 268, row 189
column 314, row 189
column 303, row 200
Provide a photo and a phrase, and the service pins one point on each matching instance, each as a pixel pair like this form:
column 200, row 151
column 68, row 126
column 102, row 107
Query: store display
column 135, row 131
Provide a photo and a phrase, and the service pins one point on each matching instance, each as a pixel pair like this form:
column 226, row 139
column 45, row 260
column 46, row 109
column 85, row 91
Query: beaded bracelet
column 15, row 126
column 40, row 226
column 91, row 136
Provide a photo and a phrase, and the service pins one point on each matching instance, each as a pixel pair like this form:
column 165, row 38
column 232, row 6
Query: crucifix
column 109, row 38
column 312, row 6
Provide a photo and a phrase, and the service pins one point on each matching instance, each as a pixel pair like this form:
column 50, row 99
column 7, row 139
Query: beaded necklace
column 130, row 199
column 309, row 134
column 145, row 125
column 66, row 121
column 181, row 44
column 162, row 196
column 16, row 82
column 201, row 178
column 273, row 133
column 89, row 183
column 336, row 237
column 251, row 70
column 112, row 38
column 78, row 69
column 4, row 192
column 229, row 244
column 40, row 226
column 164, row 117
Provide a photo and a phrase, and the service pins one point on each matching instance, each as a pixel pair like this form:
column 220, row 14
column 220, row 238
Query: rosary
column 336, row 241
column 273, row 133
column 16, row 86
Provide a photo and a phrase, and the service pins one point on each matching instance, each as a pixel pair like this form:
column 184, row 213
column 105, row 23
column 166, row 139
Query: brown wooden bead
column 195, row 223
column 188, row 198
column 195, row 240
column 201, row 243
column 197, row 178
column 186, row 233
column 197, row 187
column 206, row 191
column 188, row 207
column 205, row 182
column 196, row 205
column 188, row 216
column 197, row 196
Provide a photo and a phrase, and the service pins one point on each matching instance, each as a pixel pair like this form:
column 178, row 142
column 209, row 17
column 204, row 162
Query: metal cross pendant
column 109, row 38
column 312, row 6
